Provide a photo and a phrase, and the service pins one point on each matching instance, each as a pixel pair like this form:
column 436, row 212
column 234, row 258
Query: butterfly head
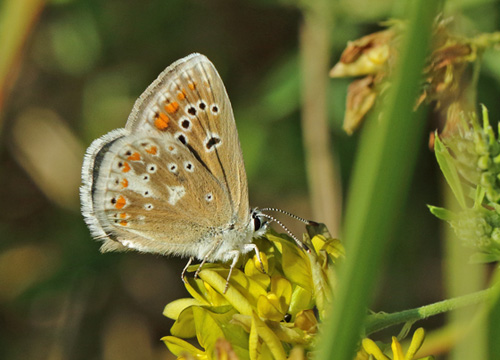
column 260, row 221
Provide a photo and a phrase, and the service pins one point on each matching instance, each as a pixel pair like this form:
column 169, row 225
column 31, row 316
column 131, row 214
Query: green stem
column 381, row 177
column 377, row 322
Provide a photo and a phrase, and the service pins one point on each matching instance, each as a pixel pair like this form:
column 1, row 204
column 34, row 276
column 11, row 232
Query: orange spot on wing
column 126, row 167
column 123, row 215
column 153, row 150
column 181, row 95
column 161, row 121
column 192, row 85
column 172, row 107
column 124, row 223
column 120, row 202
column 124, row 183
column 134, row 157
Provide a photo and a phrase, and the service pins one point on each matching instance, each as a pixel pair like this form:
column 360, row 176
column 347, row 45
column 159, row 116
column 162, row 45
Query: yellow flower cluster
column 370, row 350
column 263, row 315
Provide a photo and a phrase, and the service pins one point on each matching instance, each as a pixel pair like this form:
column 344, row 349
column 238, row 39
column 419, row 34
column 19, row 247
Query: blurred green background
column 70, row 71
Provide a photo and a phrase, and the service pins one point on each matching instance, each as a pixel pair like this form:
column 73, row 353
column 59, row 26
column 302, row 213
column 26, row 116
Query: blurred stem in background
column 461, row 278
column 17, row 17
column 322, row 164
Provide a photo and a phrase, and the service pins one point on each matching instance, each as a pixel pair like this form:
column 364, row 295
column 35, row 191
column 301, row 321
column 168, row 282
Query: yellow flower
column 371, row 348
column 265, row 313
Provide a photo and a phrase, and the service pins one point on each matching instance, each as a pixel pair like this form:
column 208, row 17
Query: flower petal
column 372, row 349
column 174, row 309
column 178, row 347
column 416, row 342
column 268, row 337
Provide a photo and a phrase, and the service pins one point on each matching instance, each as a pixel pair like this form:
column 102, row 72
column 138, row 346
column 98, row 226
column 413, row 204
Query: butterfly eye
column 256, row 223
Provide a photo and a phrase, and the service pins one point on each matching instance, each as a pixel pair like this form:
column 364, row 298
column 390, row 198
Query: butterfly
column 173, row 181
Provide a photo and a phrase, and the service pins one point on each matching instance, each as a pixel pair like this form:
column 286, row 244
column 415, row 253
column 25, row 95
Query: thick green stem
column 380, row 181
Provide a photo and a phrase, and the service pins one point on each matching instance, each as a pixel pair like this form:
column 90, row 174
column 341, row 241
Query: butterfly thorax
column 235, row 237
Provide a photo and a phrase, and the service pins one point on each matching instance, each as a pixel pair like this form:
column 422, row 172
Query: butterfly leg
column 253, row 247
column 235, row 255
column 183, row 274
column 205, row 258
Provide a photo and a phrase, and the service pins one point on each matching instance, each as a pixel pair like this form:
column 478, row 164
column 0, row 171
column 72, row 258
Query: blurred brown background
column 72, row 70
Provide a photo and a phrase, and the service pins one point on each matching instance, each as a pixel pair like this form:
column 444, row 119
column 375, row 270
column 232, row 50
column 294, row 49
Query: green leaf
column 483, row 258
column 447, row 165
column 318, row 229
column 442, row 213
column 322, row 290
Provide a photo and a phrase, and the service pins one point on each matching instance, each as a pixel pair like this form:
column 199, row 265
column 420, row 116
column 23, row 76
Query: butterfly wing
column 149, row 193
column 189, row 101
column 174, row 176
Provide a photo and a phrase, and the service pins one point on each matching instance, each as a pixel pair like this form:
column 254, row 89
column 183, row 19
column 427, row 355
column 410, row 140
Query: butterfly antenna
column 293, row 216
column 299, row 243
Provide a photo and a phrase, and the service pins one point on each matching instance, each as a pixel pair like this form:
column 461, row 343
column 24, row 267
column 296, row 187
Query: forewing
column 189, row 101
